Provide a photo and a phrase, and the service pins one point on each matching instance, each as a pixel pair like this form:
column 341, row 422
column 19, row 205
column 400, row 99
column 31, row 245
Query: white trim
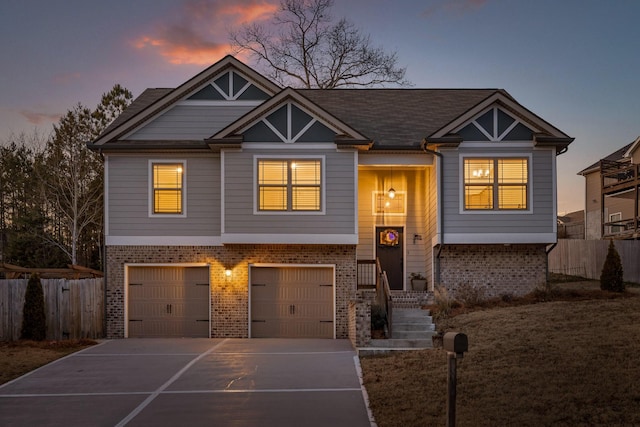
column 492, row 145
column 217, row 103
column 355, row 193
column 151, row 162
column 294, row 239
column 381, row 159
column 276, row 131
column 495, row 210
column 106, row 195
column 282, row 146
column 633, row 147
column 554, row 190
column 222, row 191
column 323, row 183
column 276, row 265
column 178, row 264
column 499, row 238
column 374, row 200
column 439, row 208
column 163, row 241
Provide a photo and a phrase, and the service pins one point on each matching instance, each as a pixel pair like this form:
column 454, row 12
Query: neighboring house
column 571, row 225
column 611, row 195
column 236, row 208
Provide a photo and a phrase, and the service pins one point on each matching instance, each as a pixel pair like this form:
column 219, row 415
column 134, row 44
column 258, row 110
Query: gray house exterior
column 236, row 208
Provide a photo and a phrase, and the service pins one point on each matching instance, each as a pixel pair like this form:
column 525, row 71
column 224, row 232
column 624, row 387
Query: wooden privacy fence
column 74, row 308
column 585, row 258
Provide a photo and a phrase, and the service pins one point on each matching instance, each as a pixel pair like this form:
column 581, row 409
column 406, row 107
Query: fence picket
column 585, row 258
column 74, row 308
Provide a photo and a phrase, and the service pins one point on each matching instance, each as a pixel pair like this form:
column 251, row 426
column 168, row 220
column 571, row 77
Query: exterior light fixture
column 227, row 272
column 392, row 193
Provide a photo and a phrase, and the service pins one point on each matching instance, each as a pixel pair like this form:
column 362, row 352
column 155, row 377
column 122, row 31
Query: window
column 289, row 185
column 496, row 184
column 615, row 218
column 384, row 205
column 168, row 186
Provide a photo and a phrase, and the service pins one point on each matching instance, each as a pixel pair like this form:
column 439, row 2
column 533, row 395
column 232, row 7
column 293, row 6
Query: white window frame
column 323, row 184
column 150, row 187
column 614, row 229
column 495, row 210
column 374, row 203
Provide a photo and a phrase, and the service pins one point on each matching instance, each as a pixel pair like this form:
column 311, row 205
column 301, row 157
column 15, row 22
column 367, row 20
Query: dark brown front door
column 389, row 249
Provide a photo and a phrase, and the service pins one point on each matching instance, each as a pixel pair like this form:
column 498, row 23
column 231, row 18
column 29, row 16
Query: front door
column 389, row 249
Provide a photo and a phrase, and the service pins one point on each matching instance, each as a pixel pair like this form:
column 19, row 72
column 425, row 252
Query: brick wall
column 360, row 321
column 500, row 269
column 230, row 296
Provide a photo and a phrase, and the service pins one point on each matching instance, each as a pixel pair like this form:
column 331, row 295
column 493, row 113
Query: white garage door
column 168, row 302
column 292, row 302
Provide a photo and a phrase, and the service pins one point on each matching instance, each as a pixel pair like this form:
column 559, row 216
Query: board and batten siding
column 542, row 217
column 128, row 192
column 339, row 206
column 185, row 122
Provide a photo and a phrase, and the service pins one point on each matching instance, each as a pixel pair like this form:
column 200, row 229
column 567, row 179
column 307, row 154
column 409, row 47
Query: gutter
column 436, row 274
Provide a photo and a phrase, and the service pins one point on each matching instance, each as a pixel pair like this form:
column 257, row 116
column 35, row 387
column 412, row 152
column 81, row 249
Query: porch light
column 392, row 193
column 227, row 272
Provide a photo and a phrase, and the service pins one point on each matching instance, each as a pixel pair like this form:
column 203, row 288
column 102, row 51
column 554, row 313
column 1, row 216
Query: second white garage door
column 292, row 302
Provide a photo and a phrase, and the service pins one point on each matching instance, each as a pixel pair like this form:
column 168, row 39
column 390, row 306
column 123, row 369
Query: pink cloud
column 37, row 118
column 454, row 7
column 194, row 37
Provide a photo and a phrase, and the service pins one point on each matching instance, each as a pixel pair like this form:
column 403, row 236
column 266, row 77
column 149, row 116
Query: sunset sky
column 573, row 62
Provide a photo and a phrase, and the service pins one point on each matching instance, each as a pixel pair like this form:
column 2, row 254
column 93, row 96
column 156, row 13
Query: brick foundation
column 501, row 269
column 230, row 297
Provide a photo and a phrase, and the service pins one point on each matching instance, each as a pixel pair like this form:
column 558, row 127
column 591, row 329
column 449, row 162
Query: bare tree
column 72, row 175
column 303, row 47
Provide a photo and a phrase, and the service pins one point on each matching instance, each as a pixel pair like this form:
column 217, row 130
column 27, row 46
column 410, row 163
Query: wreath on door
column 389, row 237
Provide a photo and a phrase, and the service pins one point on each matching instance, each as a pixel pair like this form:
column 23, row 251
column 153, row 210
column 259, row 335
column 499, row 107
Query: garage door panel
column 289, row 302
column 168, row 302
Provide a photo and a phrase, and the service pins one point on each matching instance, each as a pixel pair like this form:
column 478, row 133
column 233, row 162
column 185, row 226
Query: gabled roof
column 634, row 146
column 399, row 118
column 617, row 156
column 345, row 133
column 155, row 101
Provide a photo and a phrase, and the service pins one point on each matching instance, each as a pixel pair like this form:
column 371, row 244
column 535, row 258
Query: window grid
column 289, row 185
column 496, row 182
column 167, row 188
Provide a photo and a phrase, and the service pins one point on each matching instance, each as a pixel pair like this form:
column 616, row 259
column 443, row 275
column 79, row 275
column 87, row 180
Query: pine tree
column 34, row 322
column 611, row 278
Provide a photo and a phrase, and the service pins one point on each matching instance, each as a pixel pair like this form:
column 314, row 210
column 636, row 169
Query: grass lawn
column 19, row 357
column 573, row 361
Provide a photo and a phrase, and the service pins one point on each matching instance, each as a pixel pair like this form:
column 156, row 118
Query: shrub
column 470, row 295
column 34, row 323
column 443, row 302
column 611, row 277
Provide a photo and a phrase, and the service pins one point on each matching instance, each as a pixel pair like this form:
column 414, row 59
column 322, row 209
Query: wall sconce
column 416, row 237
column 227, row 273
column 392, row 193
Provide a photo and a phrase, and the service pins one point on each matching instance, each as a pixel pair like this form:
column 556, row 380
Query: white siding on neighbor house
column 129, row 188
column 239, row 189
column 539, row 222
column 185, row 122
column 593, row 206
column 415, row 183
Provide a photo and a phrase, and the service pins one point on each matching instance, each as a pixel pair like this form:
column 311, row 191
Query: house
column 611, row 195
column 236, row 208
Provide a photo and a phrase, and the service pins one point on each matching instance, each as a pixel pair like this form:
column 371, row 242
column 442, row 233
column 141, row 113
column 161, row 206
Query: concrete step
column 413, row 326
column 412, row 335
column 402, row 343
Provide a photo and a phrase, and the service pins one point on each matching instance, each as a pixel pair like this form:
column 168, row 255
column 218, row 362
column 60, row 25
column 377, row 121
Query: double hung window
column 496, row 183
column 289, row 185
column 167, row 188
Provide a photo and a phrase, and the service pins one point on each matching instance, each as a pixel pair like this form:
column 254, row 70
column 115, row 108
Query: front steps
column 412, row 330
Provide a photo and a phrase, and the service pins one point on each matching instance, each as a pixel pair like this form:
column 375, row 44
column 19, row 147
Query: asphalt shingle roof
column 397, row 117
column 615, row 156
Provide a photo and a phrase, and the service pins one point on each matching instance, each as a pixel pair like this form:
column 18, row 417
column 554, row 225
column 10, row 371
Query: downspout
column 436, row 274
column 104, row 251
column 548, row 251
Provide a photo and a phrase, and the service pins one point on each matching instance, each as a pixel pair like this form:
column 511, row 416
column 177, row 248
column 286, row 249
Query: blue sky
column 573, row 62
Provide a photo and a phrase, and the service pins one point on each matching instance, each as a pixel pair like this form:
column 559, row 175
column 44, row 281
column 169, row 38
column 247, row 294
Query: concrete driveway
column 193, row 382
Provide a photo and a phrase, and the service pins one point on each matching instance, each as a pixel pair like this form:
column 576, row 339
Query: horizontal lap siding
column 339, row 207
column 129, row 197
column 542, row 218
column 190, row 122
